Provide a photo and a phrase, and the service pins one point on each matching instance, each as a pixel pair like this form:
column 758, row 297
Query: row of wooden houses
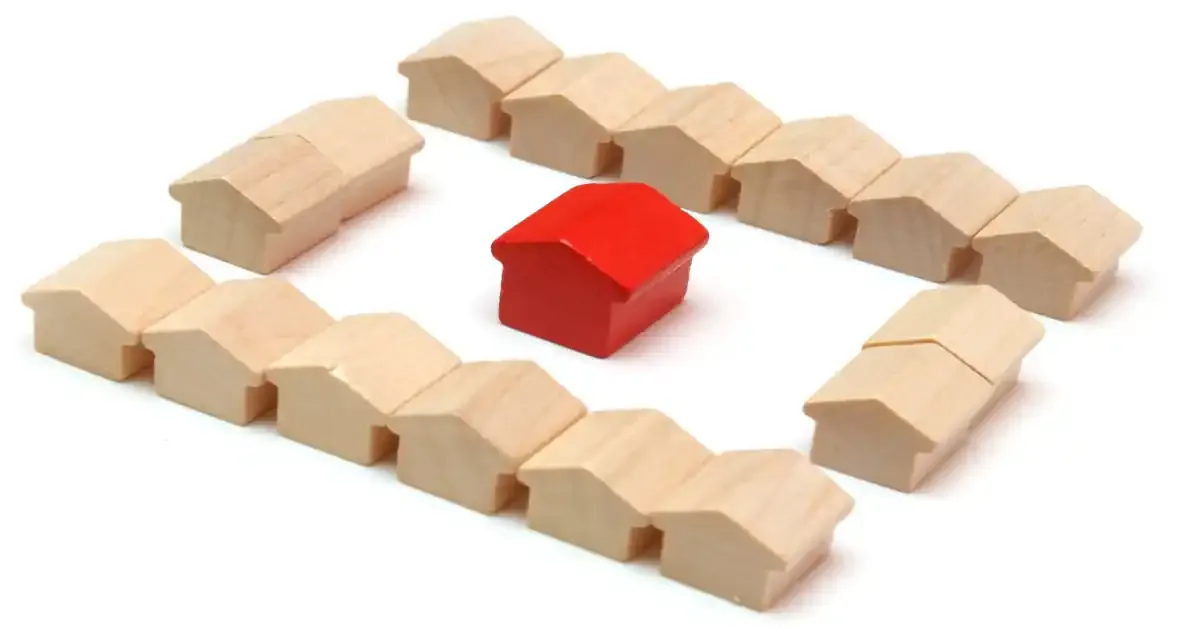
column 741, row 525
column 819, row 180
column 274, row 196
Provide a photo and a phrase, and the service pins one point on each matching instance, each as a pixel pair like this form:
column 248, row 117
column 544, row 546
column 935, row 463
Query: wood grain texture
column 687, row 140
column 919, row 217
column 456, row 81
column 800, row 179
column 596, row 484
column 749, row 524
column 212, row 353
column 91, row 313
column 338, row 389
column 465, row 436
column 1053, row 251
column 565, row 117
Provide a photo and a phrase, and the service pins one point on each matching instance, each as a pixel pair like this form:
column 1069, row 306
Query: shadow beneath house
column 800, row 594
column 956, row 469
column 1120, row 288
column 662, row 336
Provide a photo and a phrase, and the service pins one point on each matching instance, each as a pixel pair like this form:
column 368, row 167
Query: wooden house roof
column 976, row 323
column 639, row 455
column 721, row 118
column 256, row 321
column 503, row 51
column 608, row 88
column 515, row 406
column 841, row 151
column 356, row 134
column 777, row 499
column 385, row 358
column 921, row 385
column 959, row 188
column 280, row 176
column 604, row 223
column 1087, row 227
column 134, row 282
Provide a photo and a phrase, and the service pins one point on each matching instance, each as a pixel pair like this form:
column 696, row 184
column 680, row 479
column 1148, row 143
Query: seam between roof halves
column 935, row 343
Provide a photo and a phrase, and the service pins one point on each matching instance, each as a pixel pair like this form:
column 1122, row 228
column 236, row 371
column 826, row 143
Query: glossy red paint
column 597, row 266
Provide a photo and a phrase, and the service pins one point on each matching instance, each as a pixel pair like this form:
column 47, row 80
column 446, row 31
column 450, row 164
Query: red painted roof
column 628, row 231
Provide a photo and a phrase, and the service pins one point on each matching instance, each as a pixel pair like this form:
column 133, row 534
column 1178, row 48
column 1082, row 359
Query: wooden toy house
column 596, row 484
column 800, row 179
column 927, row 377
column 338, row 388
column 687, row 140
column 597, row 266
column 565, row 117
column 919, row 217
column 212, row 353
column 749, row 524
column 466, row 435
column 1052, row 251
column 456, row 82
column 91, row 312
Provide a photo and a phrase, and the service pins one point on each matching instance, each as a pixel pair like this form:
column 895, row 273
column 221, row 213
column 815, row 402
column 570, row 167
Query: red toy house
column 597, row 266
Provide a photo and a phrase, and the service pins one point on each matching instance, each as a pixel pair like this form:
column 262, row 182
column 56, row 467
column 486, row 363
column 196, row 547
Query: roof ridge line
column 884, row 343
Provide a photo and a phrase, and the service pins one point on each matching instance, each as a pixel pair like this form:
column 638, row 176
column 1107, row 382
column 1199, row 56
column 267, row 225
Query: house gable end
column 72, row 307
column 717, row 533
column 559, row 108
column 1035, row 250
column 194, row 347
column 671, row 139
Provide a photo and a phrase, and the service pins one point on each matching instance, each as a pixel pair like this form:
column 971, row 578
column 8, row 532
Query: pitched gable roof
column 841, row 151
column 134, row 282
column 976, row 323
column 504, row 51
column 603, row 222
column 515, row 406
column 1086, row 226
column 923, row 386
column 356, row 134
column 256, row 321
column 385, row 358
column 778, row 498
column 722, row 118
column 609, row 88
column 639, row 455
column 280, row 176
column 957, row 187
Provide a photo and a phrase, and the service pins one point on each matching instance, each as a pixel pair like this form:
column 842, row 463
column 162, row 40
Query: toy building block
column 597, row 266
column 749, row 524
column 596, row 484
column 211, row 353
column 565, row 117
column 338, row 388
column 928, row 376
column 456, row 82
column 466, row 435
column 262, row 203
column 91, row 312
column 919, row 217
column 369, row 142
column 800, row 179
column 1053, row 251
column 687, row 140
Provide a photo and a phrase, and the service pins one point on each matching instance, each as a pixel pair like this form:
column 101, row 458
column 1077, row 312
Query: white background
column 1075, row 505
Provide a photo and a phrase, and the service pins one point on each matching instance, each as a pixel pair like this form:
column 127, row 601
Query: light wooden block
column 1053, row 251
column 565, row 117
column 596, row 484
column 686, row 141
column 91, row 313
column 338, row 389
column 262, row 203
column 800, row 179
column 920, row 384
column 212, row 353
column 919, row 217
column 749, row 524
column 465, row 436
column 370, row 143
column 456, row 81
